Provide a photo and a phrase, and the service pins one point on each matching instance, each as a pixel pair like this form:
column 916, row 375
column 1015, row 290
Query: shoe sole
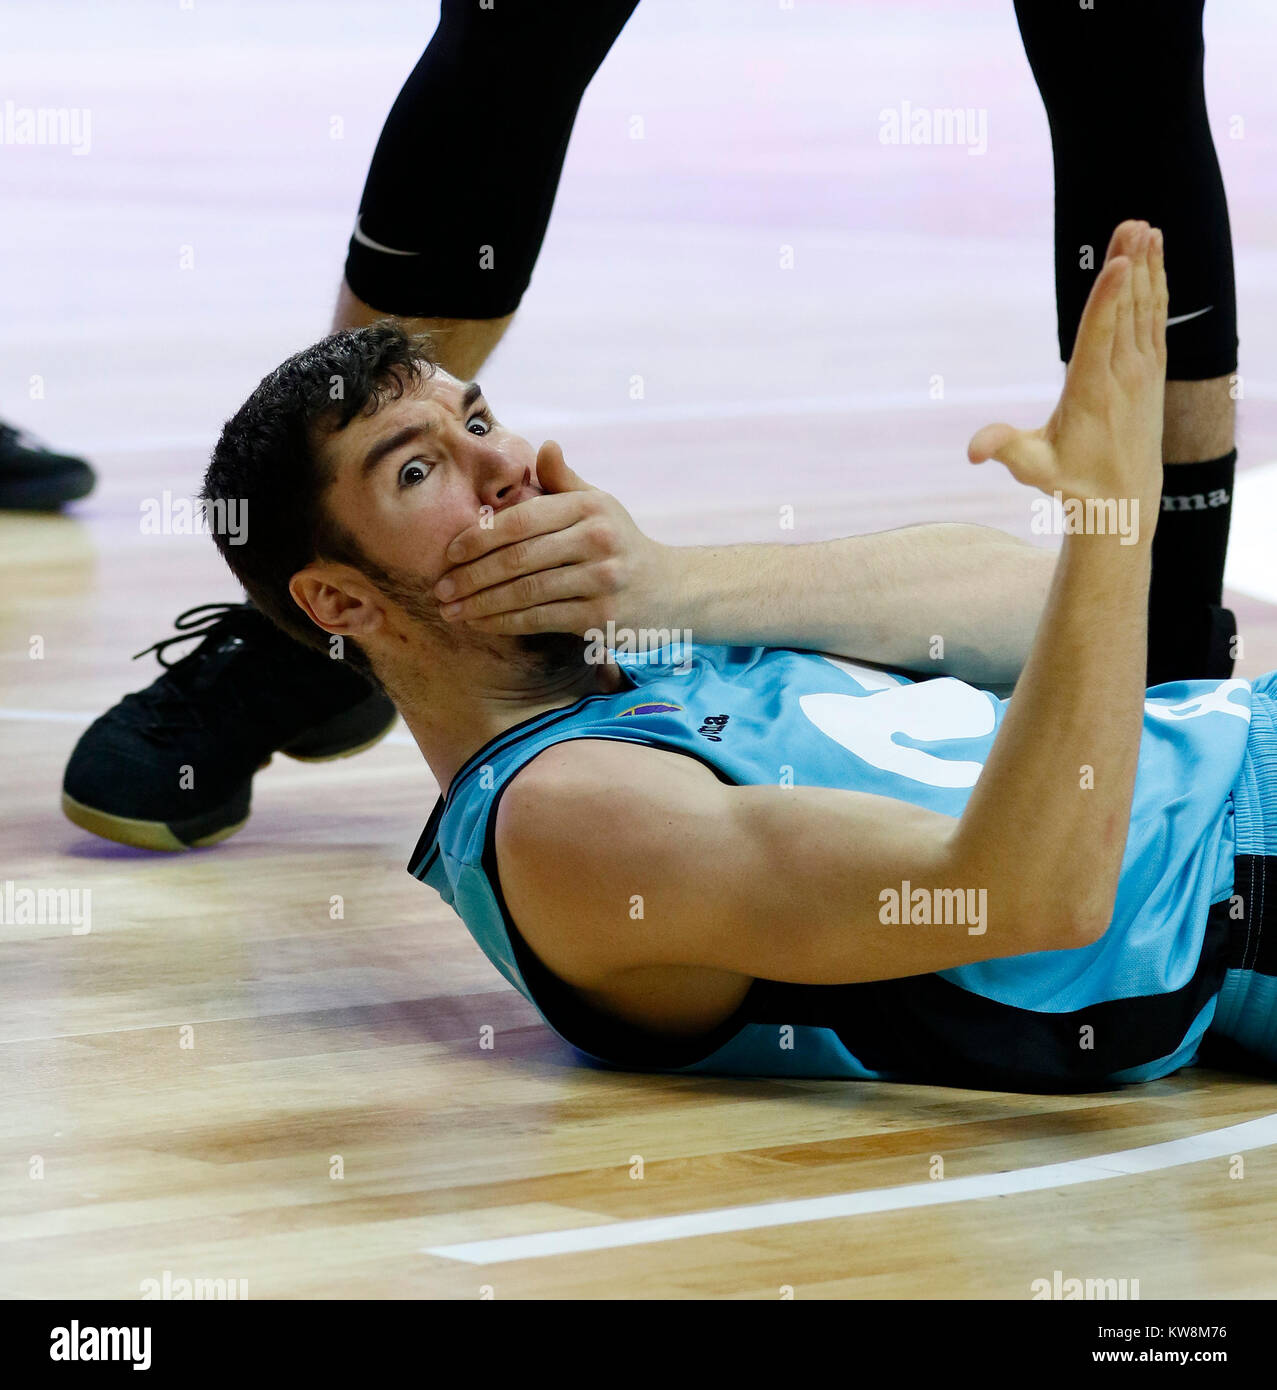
column 345, row 752
column 141, row 834
column 38, row 496
column 158, row 835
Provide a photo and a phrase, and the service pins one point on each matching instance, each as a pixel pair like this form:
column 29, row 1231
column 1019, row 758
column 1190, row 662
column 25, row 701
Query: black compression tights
column 1123, row 88
column 468, row 164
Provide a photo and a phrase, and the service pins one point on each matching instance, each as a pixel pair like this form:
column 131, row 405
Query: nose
column 520, row 489
column 503, row 477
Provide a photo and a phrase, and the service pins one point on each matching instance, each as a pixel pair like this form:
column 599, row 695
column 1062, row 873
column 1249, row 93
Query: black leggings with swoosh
column 1123, row 88
column 466, row 171
column 468, row 163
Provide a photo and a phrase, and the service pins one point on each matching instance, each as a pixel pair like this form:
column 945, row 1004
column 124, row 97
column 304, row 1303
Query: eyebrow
column 412, row 433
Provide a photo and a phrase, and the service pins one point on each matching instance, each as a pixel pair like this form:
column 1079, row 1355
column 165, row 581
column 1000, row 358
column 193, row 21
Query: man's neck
column 449, row 734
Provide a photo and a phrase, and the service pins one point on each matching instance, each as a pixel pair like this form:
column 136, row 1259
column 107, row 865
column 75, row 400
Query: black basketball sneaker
column 171, row 767
column 33, row 478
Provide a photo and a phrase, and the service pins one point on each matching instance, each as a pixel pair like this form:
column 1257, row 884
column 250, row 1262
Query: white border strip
column 48, row 716
column 1253, row 1134
column 1250, row 567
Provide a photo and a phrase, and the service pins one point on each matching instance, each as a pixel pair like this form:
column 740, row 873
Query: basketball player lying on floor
column 768, row 859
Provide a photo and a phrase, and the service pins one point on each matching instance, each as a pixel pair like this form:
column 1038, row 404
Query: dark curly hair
column 268, row 462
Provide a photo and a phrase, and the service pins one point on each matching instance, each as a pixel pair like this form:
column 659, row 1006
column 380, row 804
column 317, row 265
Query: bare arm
column 786, row 883
column 940, row 599
column 943, row 599
column 781, row 883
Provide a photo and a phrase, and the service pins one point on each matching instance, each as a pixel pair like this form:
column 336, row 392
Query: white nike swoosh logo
column 1184, row 318
column 377, row 246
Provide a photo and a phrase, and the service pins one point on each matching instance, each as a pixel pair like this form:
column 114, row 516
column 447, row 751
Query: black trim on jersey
column 422, row 851
column 602, row 1036
column 1253, row 947
column 922, row 1028
column 426, row 851
column 524, row 727
column 1223, row 1054
column 929, row 1030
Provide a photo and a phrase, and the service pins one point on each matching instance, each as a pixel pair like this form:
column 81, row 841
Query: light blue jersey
column 1131, row 1007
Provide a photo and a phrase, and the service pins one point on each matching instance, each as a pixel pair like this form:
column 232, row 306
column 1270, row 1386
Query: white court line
column 1254, row 1134
column 49, row 716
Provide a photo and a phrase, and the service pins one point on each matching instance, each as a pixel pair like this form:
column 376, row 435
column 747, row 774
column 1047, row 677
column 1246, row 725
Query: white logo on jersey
column 1208, row 702
column 930, row 712
column 941, row 710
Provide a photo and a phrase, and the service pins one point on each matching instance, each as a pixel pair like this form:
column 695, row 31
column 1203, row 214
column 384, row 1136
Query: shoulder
column 577, row 827
column 592, row 782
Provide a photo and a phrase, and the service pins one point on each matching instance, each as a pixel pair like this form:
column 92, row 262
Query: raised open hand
column 1104, row 438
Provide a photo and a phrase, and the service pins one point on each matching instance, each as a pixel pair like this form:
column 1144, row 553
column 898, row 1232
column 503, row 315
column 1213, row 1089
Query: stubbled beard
column 543, row 656
column 552, row 653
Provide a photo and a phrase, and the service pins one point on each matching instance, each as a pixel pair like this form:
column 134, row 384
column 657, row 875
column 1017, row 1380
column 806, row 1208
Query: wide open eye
column 413, row 472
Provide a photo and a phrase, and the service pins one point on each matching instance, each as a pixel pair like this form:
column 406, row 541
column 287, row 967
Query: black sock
column 1189, row 632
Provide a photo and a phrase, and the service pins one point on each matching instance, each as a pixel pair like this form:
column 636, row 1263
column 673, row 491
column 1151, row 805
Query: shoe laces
column 189, row 625
column 180, row 701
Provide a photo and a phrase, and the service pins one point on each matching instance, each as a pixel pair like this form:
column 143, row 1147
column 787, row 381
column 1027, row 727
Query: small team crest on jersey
column 651, row 707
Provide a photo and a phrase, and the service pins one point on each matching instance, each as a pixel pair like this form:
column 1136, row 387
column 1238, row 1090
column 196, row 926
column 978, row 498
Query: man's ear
column 337, row 599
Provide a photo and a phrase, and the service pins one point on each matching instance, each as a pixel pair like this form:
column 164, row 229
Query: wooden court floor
column 221, row 1080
